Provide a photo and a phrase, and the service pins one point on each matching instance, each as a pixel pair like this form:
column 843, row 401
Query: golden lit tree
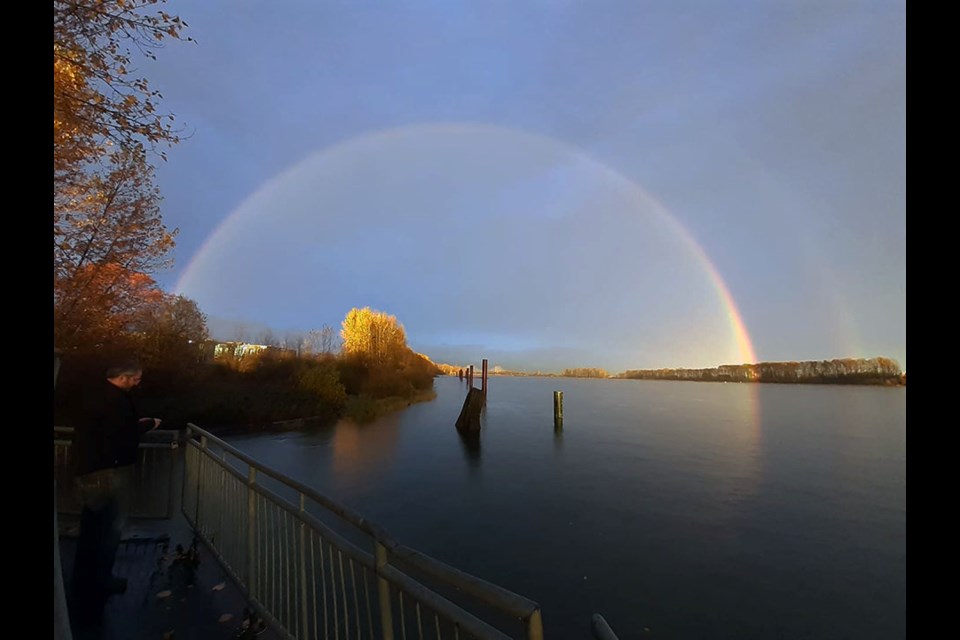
column 373, row 336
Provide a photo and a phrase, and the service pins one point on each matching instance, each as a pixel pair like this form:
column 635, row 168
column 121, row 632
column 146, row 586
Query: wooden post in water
column 470, row 376
column 469, row 420
column 483, row 380
column 558, row 410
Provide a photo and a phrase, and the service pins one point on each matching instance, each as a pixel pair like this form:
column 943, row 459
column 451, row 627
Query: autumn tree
column 322, row 341
column 108, row 234
column 295, row 342
column 100, row 100
column 99, row 304
column 170, row 329
column 107, row 239
column 373, row 336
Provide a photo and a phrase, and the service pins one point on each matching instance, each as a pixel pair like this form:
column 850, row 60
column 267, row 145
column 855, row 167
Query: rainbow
column 737, row 325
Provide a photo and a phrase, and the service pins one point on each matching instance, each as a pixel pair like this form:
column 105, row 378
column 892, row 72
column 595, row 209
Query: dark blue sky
column 547, row 184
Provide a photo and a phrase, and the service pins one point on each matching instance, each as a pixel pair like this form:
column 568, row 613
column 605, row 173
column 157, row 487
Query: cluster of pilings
column 476, row 400
column 467, row 374
column 473, row 404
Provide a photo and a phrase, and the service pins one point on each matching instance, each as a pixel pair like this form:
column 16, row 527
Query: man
column 106, row 440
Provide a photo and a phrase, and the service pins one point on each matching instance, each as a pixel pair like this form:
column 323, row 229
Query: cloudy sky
column 620, row 184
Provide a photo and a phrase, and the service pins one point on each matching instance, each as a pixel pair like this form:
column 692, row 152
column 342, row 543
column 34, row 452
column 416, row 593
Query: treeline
column 585, row 372
column 375, row 371
column 875, row 371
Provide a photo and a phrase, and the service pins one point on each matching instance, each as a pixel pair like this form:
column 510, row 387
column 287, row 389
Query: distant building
column 241, row 350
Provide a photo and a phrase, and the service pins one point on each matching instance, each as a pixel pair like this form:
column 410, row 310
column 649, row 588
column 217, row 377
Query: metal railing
column 315, row 569
column 155, row 481
column 601, row 630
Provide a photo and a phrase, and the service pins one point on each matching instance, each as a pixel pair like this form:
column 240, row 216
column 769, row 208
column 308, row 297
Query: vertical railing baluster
column 383, row 590
column 253, row 558
column 333, row 586
column 270, row 540
column 343, row 596
column 313, row 584
column 366, row 594
column 403, row 621
column 419, row 622
column 261, row 551
column 289, row 582
column 274, row 568
column 303, row 566
column 436, row 620
column 356, row 602
column 284, row 566
column 203, row 453
column 223, row 487
column 323, row 589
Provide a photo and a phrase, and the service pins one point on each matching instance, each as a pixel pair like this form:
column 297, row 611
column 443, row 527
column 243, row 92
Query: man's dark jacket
column 107, row 432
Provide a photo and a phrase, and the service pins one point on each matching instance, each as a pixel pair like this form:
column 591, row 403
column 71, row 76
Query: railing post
column 601, row 630
column 221, row 490
column 535, row 626
column 202, row 455
column 186, row 471
column 252, row 577
column 303, row 568
column 173, row 468
column 383, row 587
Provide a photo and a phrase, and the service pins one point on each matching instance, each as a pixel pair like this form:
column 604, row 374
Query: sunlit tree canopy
column 108, row 235
column 373, row 336
column 100, row 98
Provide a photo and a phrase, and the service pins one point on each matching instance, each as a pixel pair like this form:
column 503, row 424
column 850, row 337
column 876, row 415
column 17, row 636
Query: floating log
column 469, row 420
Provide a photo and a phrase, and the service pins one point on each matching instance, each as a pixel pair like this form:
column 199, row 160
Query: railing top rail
column 601, row 630
column 172, row 433
column 512, row 603
column 509, row 601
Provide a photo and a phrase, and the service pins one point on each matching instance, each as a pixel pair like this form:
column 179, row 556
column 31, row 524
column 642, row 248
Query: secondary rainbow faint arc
column 735, row 319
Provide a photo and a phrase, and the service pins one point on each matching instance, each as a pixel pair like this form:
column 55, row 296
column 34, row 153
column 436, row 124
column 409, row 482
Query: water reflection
column 360, row 449
column 471, row 446
column 727, row 422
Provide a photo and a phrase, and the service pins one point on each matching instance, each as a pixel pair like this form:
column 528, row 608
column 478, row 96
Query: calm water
column 675, row 509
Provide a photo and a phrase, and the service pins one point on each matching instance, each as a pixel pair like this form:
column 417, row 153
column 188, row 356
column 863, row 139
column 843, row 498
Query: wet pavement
column 177, row 590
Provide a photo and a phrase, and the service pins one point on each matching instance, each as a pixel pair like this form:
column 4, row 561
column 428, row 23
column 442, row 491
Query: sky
column 616, row 184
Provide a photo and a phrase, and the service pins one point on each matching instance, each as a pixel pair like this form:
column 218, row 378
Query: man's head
column 125, row 374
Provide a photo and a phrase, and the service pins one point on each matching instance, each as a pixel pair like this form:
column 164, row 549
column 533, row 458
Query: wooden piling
column 470, row 376
column 558, row 410
column 483, row 380
column 469, row 420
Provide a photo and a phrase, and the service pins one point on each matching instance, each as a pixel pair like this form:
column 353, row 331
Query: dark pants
column 104, row 496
